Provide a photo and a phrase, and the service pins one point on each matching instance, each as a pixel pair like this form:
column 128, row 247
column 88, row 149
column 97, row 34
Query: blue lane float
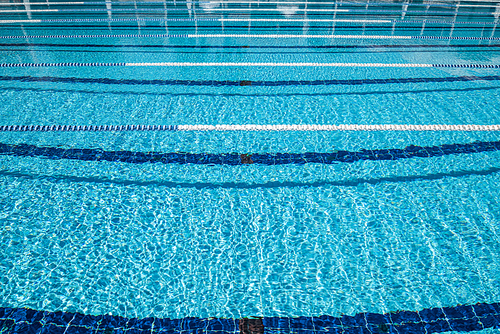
column 461, row 318
column 234, row 159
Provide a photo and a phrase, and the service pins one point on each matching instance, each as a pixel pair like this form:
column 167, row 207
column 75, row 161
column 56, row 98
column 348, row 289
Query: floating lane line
column 250, row 36
column 234, row 64
column 107, row 20
column 29, row 10
column 247, row 20
column 296, row 36
column 251, row 127
column 231, row 64
column 162, row 2
column 211, row 20
column 296, row 10
column 238, row 2
column 342, row 127
column 185, row 10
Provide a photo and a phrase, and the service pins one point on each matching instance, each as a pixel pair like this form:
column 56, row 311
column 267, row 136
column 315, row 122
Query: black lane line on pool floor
column 462, row 318
column 256, row 83
column 234, row 159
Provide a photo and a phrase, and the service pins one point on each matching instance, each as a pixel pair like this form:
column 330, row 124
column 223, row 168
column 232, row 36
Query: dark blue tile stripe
column 55, row 153
column 219, row 83
column 463, row 318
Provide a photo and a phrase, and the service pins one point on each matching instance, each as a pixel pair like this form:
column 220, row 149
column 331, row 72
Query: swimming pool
column 249, row 167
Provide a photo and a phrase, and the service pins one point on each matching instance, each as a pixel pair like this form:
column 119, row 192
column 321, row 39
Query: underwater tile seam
column 462, row 318
column 256, row 83
column 254, row 36
column 252, row 127
column 252, row 83
column 244, row 64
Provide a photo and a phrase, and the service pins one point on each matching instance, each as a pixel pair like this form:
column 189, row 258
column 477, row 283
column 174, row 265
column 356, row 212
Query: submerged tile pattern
column 87, row 154
column 462, row 318
column 254, row 83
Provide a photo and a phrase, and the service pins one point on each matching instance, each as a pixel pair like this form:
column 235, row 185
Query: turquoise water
column 171, row 240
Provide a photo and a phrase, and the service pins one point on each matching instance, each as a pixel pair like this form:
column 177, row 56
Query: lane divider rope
column 247, row 20
column 251, row 127
column 253, row 36
column 239, row 2
column 234, row 64
column 206, row 19
column 305, row 10
column 186, row 9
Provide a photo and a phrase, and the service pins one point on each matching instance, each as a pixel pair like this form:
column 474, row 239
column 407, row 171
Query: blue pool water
column 223, row 224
